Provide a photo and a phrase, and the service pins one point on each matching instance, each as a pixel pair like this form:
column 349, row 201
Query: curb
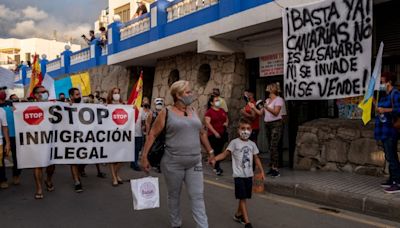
column 342, row 200
column 348, row 201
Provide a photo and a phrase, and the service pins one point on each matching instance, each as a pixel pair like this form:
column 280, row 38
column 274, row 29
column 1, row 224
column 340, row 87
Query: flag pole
column 376, row 102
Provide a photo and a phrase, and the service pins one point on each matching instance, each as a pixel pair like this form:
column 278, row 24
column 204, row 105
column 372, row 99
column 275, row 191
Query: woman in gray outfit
column 181, row 162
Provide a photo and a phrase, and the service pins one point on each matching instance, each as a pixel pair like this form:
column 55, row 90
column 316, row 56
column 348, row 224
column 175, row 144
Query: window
column 124, row 12
column 204, row 74
column 28, row 56
column 173, row 77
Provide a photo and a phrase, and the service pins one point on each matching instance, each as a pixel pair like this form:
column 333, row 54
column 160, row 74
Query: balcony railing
column 136, row 26
column 53, row 65
column 104, row 50
column 80, row 56
column 182, row 8
column 166, row 18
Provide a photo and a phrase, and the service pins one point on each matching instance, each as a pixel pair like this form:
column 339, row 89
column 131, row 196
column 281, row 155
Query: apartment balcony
column 205, row 26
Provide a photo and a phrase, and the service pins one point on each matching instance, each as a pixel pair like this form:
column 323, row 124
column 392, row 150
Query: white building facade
column 13, row 51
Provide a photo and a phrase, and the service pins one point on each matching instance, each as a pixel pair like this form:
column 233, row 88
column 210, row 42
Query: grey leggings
column 184, row 169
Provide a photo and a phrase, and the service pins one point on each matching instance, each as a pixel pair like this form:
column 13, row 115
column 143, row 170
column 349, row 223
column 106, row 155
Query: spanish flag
column 135, row 98
column 374, row 82
column 36, row 76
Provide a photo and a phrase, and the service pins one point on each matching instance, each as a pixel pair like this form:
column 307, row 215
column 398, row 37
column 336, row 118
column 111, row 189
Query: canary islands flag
column 374, row 82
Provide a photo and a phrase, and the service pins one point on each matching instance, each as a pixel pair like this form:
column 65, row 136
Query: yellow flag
column 82, row 82
column 366, row 108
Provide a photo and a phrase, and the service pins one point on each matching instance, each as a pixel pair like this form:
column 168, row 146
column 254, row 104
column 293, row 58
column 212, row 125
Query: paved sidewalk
column 347, row 191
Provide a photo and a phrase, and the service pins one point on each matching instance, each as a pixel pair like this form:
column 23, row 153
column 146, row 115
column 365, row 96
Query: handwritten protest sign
column 327, row 49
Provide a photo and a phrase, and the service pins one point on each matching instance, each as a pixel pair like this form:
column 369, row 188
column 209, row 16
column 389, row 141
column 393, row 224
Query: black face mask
column 146, row 106
column 78, row 100
column 62, row 99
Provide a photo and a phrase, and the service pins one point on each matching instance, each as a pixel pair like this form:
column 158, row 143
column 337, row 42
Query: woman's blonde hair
column 273, row 88
column 178, row 88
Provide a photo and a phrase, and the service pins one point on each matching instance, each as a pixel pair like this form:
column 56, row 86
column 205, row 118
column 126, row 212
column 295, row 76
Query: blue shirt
column 8, row 108
column 384, row 130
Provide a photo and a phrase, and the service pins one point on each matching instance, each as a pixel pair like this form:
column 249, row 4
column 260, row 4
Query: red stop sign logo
column 119, row 116
column 33, row 115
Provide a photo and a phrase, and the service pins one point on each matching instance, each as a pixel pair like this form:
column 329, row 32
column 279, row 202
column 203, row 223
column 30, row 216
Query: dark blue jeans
column 138, row 148
column 390, row 149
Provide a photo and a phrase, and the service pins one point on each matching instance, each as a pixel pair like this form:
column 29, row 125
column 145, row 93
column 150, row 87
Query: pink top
column 269, row 117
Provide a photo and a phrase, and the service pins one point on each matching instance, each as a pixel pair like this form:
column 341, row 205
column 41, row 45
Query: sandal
column 49, row 186
column 114, row 184
column 38, row 196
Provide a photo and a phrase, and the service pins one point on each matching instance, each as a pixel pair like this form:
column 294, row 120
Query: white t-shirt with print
column 242, row 157
column 3, row 123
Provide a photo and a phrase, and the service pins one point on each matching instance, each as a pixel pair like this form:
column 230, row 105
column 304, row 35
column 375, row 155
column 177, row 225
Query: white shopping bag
column 146, row 193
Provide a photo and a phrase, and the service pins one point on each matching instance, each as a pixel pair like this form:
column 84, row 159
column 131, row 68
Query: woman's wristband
column 211, row 152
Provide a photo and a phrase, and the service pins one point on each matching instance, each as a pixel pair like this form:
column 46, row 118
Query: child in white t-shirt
column 243, row 152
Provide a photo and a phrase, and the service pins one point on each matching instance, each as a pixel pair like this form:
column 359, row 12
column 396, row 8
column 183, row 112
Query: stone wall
column 339, row 145
column 104, row 78
column 227, row 74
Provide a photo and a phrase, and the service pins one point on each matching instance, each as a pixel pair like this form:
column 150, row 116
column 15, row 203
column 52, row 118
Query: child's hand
column 212, row 162
column 263, row 175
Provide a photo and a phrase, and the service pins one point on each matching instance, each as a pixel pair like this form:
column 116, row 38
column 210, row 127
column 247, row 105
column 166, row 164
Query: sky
column 40, row 18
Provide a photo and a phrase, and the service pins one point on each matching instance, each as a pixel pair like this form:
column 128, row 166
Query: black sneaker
column 218, row 172
column 248, row 225
column 393, row 189
column 238, row 219
column 101, row 175
column 136, row 167
column 78, row 188
column 275, row 173
column 270, row 171
column 387, row 184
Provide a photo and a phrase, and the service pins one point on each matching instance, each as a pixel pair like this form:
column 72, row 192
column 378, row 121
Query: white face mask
column 217, row 104
column 245, row 134
column 44, row 96
column 382, row 87
column 159, row 107
column 116, row 97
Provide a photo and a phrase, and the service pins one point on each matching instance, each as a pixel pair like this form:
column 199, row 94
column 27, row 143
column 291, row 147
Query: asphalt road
column 102, row 205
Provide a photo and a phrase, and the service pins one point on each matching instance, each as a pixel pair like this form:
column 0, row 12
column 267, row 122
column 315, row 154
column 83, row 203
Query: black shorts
column 243, row 187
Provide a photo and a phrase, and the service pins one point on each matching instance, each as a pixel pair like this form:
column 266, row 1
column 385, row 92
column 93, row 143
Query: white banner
column 271, row 65
column 327, row 49
column 59, row 133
